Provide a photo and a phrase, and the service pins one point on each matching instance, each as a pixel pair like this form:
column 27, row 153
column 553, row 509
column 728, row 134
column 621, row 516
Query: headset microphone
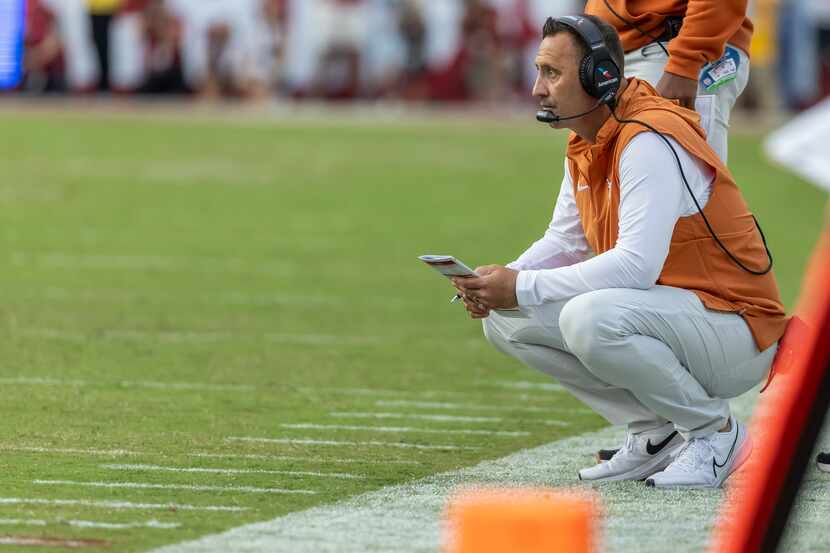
column 546, row 116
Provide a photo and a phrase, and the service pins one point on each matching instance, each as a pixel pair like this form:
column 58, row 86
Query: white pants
column 639, row 357
column 647, row 63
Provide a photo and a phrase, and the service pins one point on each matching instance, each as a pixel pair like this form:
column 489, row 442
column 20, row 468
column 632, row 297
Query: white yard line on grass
column 342, row 443
column 130, row 262
column 402, row 429
column 200, row 387
column 153, row 524
column 431, row 394
column 525, row 385
column 455, row 406
column 413, row 416
column 261, row 457
column 322, row 339
column 407, row 518
column 149, row 384
column 150, row 524
column 116, row 504
column 115, row 295
column 206, row 455
column 561, row 424
column 204, row 470
column 194, row 488
column 72, row 451
column 195, row 336
column 52, row 543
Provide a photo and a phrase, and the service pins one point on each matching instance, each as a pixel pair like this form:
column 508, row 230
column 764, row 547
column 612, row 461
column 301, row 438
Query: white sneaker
column 642, row 455
column 706, row 462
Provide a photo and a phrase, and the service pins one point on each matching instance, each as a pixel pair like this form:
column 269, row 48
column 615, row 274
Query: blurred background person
column 410, row 50
column 270, row 29
column 148, row 42
column 804, row 52
column 58, row 55
column 219, row 46
column 43, row 62
column 343, row 30
column 101, row 16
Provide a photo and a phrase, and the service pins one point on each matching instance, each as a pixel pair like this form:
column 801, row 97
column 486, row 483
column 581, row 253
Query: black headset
column 600, row 77
column 598, row 72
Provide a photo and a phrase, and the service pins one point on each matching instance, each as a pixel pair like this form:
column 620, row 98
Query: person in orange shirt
column 693, row 51
column 651, row 296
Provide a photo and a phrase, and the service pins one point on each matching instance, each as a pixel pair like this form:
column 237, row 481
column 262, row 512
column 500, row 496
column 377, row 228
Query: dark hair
column 609, row 35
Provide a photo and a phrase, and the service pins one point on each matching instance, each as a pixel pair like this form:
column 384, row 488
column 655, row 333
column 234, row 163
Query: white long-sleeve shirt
column 652, row 199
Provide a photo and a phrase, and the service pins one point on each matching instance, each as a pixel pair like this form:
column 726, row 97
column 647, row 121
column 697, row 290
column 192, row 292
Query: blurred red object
column 787, row 423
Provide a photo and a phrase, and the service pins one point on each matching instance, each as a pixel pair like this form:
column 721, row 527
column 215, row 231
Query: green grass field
column 169, row 287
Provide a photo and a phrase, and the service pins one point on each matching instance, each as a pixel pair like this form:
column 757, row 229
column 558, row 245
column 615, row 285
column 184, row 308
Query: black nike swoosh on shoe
column 728, row 456
column 655, row 449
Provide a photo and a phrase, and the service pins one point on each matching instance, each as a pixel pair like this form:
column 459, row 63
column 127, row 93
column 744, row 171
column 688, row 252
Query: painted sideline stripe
column 562, row 424
column 195, row 336
column 177, row 337
column 116, row 504
column 525, row 385
column 155, row 385
column 440, row 418
column 450, row 406
column 408, row 518
column 71, row 451
column 55, row 293
column 34, row 541
column 154, row 524
column 262, row 457
column 144, row 486
column 403, row 429
column 139, row 262
column 159, row 468
column 337, row 443
column 414, row 416
column 322, row 339
column 369, row 392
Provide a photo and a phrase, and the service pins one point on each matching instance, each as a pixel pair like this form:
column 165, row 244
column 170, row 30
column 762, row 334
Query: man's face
column 557, row 84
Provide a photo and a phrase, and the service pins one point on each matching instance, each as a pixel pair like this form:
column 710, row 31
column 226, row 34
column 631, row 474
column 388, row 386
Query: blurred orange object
column 787, row 421
column 522, row 521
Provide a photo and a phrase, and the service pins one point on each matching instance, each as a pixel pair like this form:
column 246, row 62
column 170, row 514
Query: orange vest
column 695, row 261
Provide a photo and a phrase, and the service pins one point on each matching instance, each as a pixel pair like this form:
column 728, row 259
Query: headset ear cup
column 605, row 77
column 614, row 71
column 586, row 76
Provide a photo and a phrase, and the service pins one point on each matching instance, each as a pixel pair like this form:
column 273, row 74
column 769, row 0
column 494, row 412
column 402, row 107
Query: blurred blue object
column 12, row 25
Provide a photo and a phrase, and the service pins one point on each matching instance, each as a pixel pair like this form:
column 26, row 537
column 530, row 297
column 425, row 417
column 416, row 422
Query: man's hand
column 675, row 87
column 494, row 288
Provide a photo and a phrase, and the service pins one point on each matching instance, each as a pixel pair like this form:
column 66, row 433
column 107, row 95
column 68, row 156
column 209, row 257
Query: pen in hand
column 455, row 298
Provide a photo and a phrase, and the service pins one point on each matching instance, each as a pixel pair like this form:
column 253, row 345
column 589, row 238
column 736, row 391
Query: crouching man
column 676, row 310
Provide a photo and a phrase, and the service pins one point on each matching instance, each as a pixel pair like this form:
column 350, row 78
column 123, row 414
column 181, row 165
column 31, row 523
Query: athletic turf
column 169, row 285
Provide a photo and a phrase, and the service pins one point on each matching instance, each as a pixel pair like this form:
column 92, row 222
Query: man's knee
column 590, row 323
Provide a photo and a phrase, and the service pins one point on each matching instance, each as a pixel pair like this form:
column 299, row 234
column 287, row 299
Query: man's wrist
column 689, row 69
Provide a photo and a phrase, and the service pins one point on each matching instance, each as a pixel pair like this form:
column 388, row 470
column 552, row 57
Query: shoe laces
column 626, row 449
column 695, row 453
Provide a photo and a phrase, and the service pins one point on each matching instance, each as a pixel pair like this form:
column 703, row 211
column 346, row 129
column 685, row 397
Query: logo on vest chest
column 582, row 187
